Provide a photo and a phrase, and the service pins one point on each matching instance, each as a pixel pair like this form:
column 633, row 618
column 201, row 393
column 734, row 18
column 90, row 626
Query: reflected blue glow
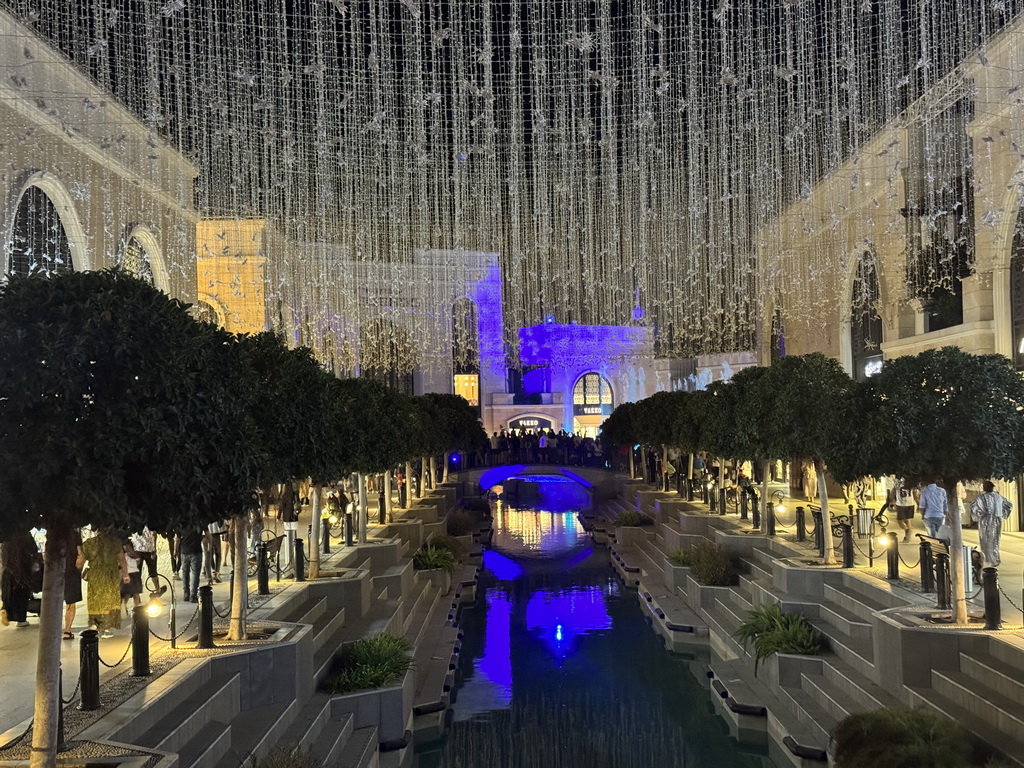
column 560, row 618
column 503, row 568
column 492, row 688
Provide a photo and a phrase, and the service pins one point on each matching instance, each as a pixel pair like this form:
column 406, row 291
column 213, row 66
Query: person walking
column 144, row 546
column 288, row 512
column 18, row 554
column 188, row 546
column 934, row 507
column 74, row 561
column 108, row 569
column 989, row 510
column 901, row 498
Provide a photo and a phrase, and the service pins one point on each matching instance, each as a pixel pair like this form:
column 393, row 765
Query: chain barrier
column 863, row 553
column 74, row 693
column 217, row 611
column 1010, row 599
column 123, row 657
column 17, row 739
column 905, row 563
column 182, row 632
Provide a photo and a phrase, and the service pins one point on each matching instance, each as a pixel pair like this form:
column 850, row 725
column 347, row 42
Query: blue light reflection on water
column 561, row 617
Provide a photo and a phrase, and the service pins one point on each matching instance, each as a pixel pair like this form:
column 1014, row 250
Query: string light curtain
column 615, row 154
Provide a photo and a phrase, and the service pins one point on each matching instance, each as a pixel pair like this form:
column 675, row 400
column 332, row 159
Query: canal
column 559, row 668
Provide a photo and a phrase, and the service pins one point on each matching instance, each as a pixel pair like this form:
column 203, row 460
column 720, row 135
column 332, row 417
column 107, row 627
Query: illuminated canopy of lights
column 614, row 154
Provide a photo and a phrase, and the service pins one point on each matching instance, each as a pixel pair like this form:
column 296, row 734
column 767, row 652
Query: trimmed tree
column 110, row 417
column 621, row 429
column 755, row 438
column 946, row 413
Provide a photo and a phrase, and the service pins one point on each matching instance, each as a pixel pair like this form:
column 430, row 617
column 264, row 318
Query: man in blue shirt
column 933, row 508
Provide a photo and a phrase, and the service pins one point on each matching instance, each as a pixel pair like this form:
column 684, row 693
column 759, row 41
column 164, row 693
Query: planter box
column 675, row 575
column 387, row 708
column 439, row 578
column 629, row 536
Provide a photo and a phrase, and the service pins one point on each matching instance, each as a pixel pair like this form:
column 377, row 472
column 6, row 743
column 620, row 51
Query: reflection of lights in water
column 503, row 568
column 560, row 617
column 491, row 687
column 535, row 530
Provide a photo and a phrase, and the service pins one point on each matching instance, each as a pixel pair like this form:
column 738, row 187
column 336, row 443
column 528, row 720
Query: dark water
column 560, row 669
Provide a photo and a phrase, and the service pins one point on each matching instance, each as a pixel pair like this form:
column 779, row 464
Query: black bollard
column 847, row 533
column 801, row 524
column 89, row 669
column 300, row 561
column 819, row 532
column 326, row 536
column 711, row 499
column 689, row 489
column 206, row 617
column 140, row 642
column 62, row 743
column 262, row 570
column 743, row 507
column 993, row 610
column 927, row 568
column 770, row 516
column 704, row 496
column 349, row 533
column 721, row 501
column 942, row 580
column 892, row 556
column 755, row 517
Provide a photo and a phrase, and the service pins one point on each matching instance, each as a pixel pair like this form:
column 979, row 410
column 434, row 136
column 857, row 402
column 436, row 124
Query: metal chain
column 123, row 657
column 857, row 547
column 18, row 739
column 219, row 614
column 908, row 565
column 182, row 632
column 1009, row 599
column 74, row 693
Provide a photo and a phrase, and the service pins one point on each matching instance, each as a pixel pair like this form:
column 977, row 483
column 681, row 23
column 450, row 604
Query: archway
column 43, row 228
column 466, row 351
column 142, row 256
column 592, row 402
column 865, row 320
column 387, row 354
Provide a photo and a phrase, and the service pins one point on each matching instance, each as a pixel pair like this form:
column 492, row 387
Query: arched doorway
column 387, row 354
column 865, row 321
column 136, row 260
column 39, row 242
column 466, row 351
column 592, row 403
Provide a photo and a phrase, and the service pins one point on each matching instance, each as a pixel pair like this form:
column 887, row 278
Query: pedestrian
column 901, row 498
column 20, row 558
column 108, row 569
column 144, row 546
column 211, row 551
column 74, row 561
column 132, row 587
column 933, row 507
column 989, row 510
column 188, row 546
column 288, row 512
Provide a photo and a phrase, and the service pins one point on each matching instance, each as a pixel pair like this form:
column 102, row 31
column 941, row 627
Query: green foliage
column 681, row 557
column 450, row 543
column 901, row 738
column 371, row 419
column 656, row 417
column 621, row 427
column 753, row 436
column 283, row 758
column 433, row 557
column 711, row 566
column 631, row 518
column 453, row 425
column 460, row 523
column 773, row 631
column 688, row 425
column 718, row 436
column 372, row 662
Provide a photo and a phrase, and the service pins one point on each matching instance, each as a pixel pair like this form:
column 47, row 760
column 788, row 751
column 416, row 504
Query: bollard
column 847, row 533
column 942, row 580
column 89, row 669
column 348, row 529
column 721, row 501
column 710, row 498
column 704, row 495
column 689, row 489
column 801, row 527
column 819, row 533
column 140, row 642
column 62, row 744
column 755, row 517
column 927, row 568
column 770, row 513
column 206, row 617
column 993, row 610
column 892, row 556
column 326, row 535
column 743, row 506
column 262, row 570
column 300, row 561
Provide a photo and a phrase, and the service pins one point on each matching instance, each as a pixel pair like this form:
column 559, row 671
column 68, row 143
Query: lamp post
column 154, row 606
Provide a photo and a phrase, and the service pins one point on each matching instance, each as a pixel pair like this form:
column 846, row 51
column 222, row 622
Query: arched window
column 1017, row 293
column 466, row 351
column 205, row 313
column 865, row 322
column 592, row 402
column 39, row 242
column 136, row 260
column 387, row 354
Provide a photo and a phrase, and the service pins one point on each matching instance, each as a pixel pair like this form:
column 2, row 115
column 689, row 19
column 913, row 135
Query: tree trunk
column 447, row 462
column 433, row 472
column 51, row 622
column 689, row 474
column 361, row 525
column 315, row 532
column 240, row 583
column 408, row 484
column 764, row 496
column 423, row 477
column 388, row 508
column 632, row 464
column 826, row 517
column 664, row 465
column 643, row 462
column 956, row 556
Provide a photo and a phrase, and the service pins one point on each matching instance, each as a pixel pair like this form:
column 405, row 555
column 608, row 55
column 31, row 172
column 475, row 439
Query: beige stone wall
column 231, row 271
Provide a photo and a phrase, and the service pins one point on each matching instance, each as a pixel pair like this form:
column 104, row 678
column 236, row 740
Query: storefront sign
column 592, row 410
column 529, row 422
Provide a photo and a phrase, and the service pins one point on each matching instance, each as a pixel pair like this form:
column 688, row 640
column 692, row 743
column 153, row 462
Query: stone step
column 818, row 721
column 207, row 747
column 307, row 611
column 841, row 697
column 995, row 674
column 848, row 622
column 418, row 608
column 1009, row 744
column 360, row 750
column 216, row 701
column 331, row 743
column 255, row 731
column 865, row 691
column 862, row 606
column 857, row 652
column 308, row 723
column 327, row 629
column 981, row 701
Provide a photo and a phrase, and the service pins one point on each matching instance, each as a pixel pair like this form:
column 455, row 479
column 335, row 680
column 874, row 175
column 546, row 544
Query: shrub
column 459, row 523
column 773, row 631
column 711, row 566
column 479, row 506
column 682, row 557
column 434, row 558
column 630, row 518
column 372, row 662
column 901, row 738
column 283, row 758
column 450, row 543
